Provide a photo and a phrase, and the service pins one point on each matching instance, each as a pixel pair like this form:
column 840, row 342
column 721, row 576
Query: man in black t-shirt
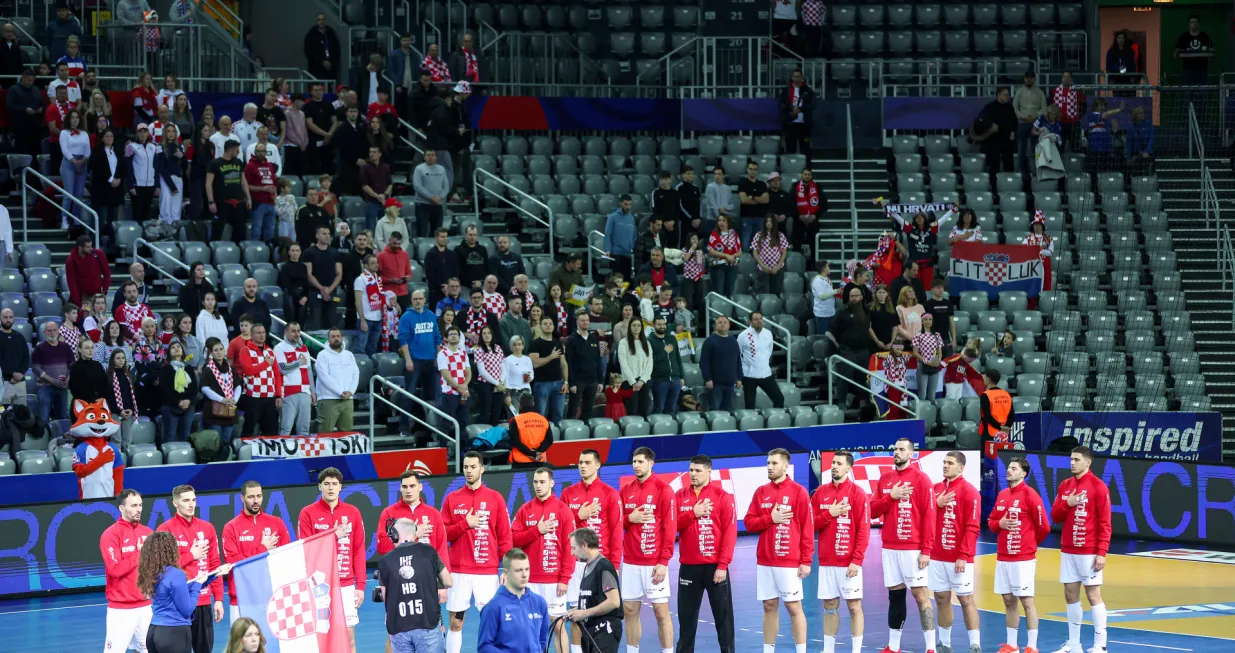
column 550, row 372
column 1194, row 49
column 599, row 612
column 413, row 579
column 319, row 120
column 941, row 308
column 753, row 195
column 325, row 265
column 227, row 192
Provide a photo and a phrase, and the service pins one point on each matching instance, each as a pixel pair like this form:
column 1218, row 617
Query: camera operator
column 412, row 580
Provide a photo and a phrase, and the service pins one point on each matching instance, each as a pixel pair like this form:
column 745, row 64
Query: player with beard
column 707, row 524
column 958, row 520
column 542, row 528
column 250, row 533
column 128, row 612
column 595, row 506
column 1083, row 504
column 1019, row 520
column 647, row 545
column 840, row 512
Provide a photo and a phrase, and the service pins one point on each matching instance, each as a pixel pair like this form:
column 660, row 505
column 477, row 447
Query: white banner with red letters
column 309, row 446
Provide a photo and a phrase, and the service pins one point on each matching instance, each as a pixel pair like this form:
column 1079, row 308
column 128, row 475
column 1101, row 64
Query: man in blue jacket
column 404, row 70
column 419, row 339
column 515, row 620
column 620, row 237
column 720, row 363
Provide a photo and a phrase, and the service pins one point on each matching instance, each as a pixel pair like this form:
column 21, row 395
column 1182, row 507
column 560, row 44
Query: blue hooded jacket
column 513, row 624
column 419, row 333
column 620, row 233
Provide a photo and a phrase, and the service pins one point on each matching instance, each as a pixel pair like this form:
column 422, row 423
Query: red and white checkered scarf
column 115, row 387
column 1068, row 100
column 226, row 386
column 390, row 328
column 475, row 321
column 438, row 70
column 812, row 13
column 373, row 291
column 894, row 369
column 473, row 67
column 692, row 267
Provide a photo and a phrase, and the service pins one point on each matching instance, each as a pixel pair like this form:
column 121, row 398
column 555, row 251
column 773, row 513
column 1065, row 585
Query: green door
column 1175, row 22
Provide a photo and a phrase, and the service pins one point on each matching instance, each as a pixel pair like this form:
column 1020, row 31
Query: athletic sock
column 975, row 638
column 930, row 639
column 1011, row 636
column 945, row 636
column 829, row 644
column 454, row 641
column 666, row 650
column 1099, row 625
column 894, row 640
column 1033, row 639
column 799, row 648
column 1075, row 616
column 857, row 644
column 769, row 648
column 576, row 648
column 632, row 649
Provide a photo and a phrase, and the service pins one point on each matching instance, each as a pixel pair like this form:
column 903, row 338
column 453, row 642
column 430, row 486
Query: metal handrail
column 457, row 439
column 707, row 302
column 1226, row 263
column 150, row 263
column 25, row 203
column 477, row 187
column 591, row 267
column 853, row 182
column 837, row 358
column 1194, row 136
column 22, row 32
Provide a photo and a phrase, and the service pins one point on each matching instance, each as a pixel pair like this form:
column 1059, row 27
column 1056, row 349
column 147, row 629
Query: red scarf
column 473, row 68
column 373, row 291
column 224, row 378
column 808, row 198
column 115, row 386
column 438, row 71
column 476, row 320
column 795, row 96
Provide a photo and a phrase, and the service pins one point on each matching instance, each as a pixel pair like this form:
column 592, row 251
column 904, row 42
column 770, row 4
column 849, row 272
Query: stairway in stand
column 1196, row 250
column 870, row 180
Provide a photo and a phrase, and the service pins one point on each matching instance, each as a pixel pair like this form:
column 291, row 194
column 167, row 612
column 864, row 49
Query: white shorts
column 572, row 589
column 835, row 583
column 126, row 629
column 1078, row 568
column 901, row 568
column 778, row 583
column 349, row 605
column 548, row 592
column 469, row 587
column 636, row 581
column 943, row 578
column 233, row 613
column 1015, row 578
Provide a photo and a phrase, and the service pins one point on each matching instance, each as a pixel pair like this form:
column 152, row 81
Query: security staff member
column 997, row 411
column 529, row 433
column 413, row 580
column 599, row 612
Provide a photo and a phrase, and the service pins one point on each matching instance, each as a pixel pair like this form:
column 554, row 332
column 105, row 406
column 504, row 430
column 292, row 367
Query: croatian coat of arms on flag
column 998, row 268
column 300, row 609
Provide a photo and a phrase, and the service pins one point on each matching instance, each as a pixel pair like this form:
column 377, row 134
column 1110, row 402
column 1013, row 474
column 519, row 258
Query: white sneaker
column 1068, row 648
column 1097, row 649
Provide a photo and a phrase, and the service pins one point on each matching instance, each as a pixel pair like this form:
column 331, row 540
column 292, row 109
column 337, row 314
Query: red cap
column 391, row 201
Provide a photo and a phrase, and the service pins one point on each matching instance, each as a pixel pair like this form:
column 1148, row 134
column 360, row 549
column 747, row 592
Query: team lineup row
column 930, row 534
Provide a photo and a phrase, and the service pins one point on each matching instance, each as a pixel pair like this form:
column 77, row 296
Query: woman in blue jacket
column 173, row 596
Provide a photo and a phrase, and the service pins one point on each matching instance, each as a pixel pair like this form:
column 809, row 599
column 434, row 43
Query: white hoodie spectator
column 338, row 377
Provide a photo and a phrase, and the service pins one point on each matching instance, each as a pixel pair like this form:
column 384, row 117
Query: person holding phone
column 173, row 595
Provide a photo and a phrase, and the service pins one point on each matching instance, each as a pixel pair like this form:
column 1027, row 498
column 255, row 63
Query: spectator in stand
column 285, row 209
column 14, row 360
column 910, row 313
column 59, row 30
column 115, row 337
column 755, row 344
column 329, row 200
column 391, row 223
column 260, row 179
column 823, row 294
column 384, row 114
column 227, row 191
column 780, row 204
column 690, row 201
column 395, row 268
column 200, row 154
column 636, row 360
column 966, row 229
column 309, row 217
column 168, row 163
column 928, row 349
column 145, row 100
column 438, row 71
column 319, row 120
column 1071, row 103
column 419, row 340
column 513, row 324
column 194, row 290
column 263, row 385
column 118, row 390
column 246, row 129
column 487, row 386
column 431, row 183
column 379, row 136
column 473, row 259
column 25, row 110
column 444, row 129
column 244, row 332
column 660, row 272
column 292, row 356
column 181, row 116
column 724, row 251
column 402, row 67
column 666, row 204
column 1099, row 137
column 338, row 379
column 441, row 265
column 73, row 59
column 321, row 49
column 476, row 317
column 465, row 63
column 222, row 389
column 455, row 370
column 505, row 264
column 770, row 248
column 1029, row 105
column 568, row 274
column 910, row 278
column 720, row 364
column 164, row 118
column 132, row 312
column 251, row 305
column 194, row 349
column 325, row 265
column 97, row 316
column 551, row 371
column 273, row 156
column 1193, row 42
column 12, row 62
column 107, row 175
column 178, row 393
column 753, row 196
column 940, row 308
column 454, row 299
column 353, row 267
column 884, row 320
column 1139, row 143
column 224, row 133
column 995, row 130
column 694, row 263
column 98, row 113
column 666, row 377
column 57, row 111
column 646, row 241
column 495, row 302
column 50, row 362
column 87, row 270
column 851, row 333
column 424, row 98
column 352, row 146
column 87, row 378
column 295, row 138
column 621, row 230
column 583, row 361
column 797, row 106
column 294, row 280
column 517, row 370
column 149, row 355
column 370, row 300
column 142, row 179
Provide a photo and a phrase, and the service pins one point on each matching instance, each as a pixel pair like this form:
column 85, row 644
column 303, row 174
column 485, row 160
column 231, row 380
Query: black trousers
column 490, row 404
column 602, row 639
column 804, row 235
column 769, row 387
column 797, row 138
column 693, row 581
column 585, row 398
column 640, row 403
column 260, row 416
column 1000, row 157
column 170, row 639
column 142, row 202
column 320, row 158
column 235, row 215
column 293, row 160
column 202, row 628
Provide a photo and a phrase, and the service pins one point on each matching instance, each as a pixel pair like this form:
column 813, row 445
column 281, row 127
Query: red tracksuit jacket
column 186, row 533
column 119, row 546
column 842, row 539
column 1023, row 504
column 476, row 550
column 710, row 539
column 607, row 524
column 782, row 545
column 242, row 538
column 423, row 514
column 549, row 552
column 1087, row 526
column 957, row 524
column 651, row 543
column 908, row 524
column 318, row 517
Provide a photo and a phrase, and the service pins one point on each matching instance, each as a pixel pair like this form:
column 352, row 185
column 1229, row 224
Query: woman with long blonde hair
column 245, row 637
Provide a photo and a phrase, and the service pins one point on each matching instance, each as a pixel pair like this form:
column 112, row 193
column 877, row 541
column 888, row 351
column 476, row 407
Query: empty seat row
column 958, row 16
column 535, row 17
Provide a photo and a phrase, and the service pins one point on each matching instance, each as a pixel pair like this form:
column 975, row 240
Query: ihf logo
column 1016, row 435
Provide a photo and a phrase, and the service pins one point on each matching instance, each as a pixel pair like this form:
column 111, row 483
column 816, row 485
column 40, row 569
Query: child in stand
column 327, row 200
column 390, row 324
column 615, row 397
column 683, row 317
column 69, row 333
column 167, row 329
column 285, row 210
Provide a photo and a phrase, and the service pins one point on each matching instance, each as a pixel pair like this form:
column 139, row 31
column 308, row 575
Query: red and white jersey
column 495, row 303
column 707, row 539
column 121, row 549
column 242, row 539
column 606, row 523
column 908, row 524
column 132, row 315
column 549, row 552
column 456, row 365
column 843, row 538
column 156, row 132
column 187, row 533
column 1043, row 241
column 432, row 528
column 958, row 523
column 650, row 543
column 262, row 379
column 1022, row 504
column 1087, row 525
column 476, row 550
column 319, row 517
column 782, row 545
column 769, row 250
column 297, row 375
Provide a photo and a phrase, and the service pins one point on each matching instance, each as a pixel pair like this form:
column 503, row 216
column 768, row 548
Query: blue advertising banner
column 1167, row 436
column 959, row 112
column 1026, row 432
column 872, row 436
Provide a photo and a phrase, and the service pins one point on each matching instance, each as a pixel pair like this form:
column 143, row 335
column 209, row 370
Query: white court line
column 1170, row 648
column 67, row 607
column 1109, row 627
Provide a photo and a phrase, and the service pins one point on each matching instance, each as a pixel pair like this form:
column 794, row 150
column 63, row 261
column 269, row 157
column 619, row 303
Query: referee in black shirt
column 599, row 612
column 413, row 580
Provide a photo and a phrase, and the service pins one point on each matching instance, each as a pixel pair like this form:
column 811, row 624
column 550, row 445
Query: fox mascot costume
column 96, row 460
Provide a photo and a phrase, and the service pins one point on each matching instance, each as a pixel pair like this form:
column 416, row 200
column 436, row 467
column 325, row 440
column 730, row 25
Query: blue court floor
column 1196, row 615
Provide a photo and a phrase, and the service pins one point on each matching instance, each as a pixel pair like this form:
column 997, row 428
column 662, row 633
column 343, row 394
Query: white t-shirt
column 371, row 314
column 825, row 296
column 513, row 368
column 785, row 10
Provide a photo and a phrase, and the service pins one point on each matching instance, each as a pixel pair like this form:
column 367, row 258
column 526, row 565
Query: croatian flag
column 994, row 268
column 293, row 593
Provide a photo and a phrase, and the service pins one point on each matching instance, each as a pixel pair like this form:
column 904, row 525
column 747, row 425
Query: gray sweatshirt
column 716, row 197
column 1029, row 102
column 429, row 181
